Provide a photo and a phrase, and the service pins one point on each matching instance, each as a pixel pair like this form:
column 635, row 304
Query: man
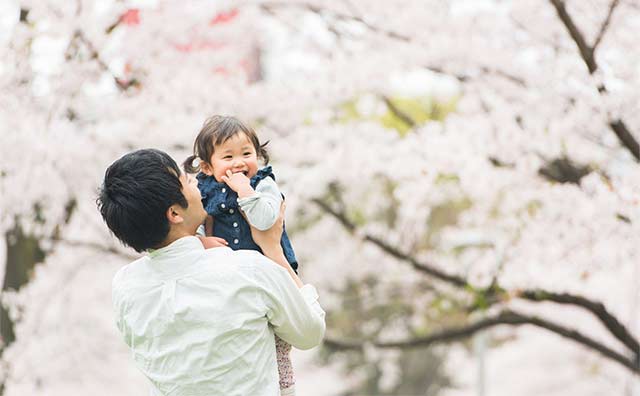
column 199, row 321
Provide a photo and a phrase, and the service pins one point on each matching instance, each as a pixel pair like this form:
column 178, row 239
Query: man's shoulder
column 218, row 255
column 126, row 272
column 250, row 262
column 263, row 268
column 129, row 278
column 218, row 262
column 252, row 257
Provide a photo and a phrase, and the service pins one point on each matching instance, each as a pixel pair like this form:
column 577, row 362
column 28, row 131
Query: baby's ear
column 206, row 168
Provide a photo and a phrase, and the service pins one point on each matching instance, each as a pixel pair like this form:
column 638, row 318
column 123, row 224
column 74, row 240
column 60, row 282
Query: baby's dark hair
column 216, row 130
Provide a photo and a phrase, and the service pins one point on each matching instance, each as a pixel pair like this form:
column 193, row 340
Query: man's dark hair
column 136, row 192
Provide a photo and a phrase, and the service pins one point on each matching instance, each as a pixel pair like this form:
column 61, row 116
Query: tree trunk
column 22, row 254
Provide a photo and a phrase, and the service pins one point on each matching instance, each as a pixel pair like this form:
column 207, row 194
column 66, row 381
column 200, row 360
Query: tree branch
column 625, row 136
column 605, row 25
column 588, row 56
column 271, row 6
column 95, row 55
column 597, row 308
column 391, row 250
column 495, row 294
column 500, row 73
column 404, row 117
column 96, row 246
column 504, row 318
column 342, row 17
column 585, row 51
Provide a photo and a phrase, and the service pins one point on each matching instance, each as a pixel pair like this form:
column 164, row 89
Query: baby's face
column 237, row 154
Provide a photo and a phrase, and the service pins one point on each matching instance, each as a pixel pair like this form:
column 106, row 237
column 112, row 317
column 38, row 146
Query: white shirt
column 201, row 322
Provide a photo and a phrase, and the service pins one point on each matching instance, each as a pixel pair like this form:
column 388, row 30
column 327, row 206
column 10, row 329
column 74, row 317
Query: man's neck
column 174, row 235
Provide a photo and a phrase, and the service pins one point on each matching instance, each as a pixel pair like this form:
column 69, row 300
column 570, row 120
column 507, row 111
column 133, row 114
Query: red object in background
column 224, row 17
column 199, row 45
column 131, row 17
column 210, row 45
column 221, row 70
column 184, row 47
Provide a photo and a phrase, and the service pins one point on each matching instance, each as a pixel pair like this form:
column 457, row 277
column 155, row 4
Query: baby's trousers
column 285, row 369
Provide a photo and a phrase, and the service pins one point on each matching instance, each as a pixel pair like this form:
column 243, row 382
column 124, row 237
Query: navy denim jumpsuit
column 221, row 202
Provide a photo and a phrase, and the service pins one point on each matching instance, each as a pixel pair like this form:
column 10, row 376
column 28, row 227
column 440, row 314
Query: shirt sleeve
column 263, row 207
column 294, row 313
column 118, row 302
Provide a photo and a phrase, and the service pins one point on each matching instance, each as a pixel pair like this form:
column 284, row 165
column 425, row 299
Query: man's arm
column 269, row 242
column 292, row 308
column 293, row 311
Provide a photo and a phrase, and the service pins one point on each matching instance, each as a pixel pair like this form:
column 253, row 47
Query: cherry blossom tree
column 453, row 171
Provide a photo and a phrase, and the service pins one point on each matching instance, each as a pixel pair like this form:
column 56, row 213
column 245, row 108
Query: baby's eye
column 226, row 157
column 247, row 153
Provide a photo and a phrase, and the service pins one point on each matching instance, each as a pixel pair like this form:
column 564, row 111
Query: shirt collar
column 177, row 248
column 175, row 259
column 180, row 258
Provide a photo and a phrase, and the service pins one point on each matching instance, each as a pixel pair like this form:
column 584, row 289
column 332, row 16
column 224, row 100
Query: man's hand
column 239, row 183
column 212, row 242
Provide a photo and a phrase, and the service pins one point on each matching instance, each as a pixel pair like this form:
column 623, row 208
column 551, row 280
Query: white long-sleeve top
column 263, row 207
column 202, row 322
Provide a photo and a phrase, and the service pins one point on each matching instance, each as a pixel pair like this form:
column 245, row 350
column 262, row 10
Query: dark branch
column 342, row 17
column 391, row 250
column 495, row 294
column 564, row 170
column 498, row 163
column 587, row 53
column 605, row 25
column 484, row 71
column 96, row 246
column 404, row 117
column 514, row 79
column 504, row 318
column 574, row 335
column 597, row 308
column 95, row 55
column 627, row 139
column 269, row 8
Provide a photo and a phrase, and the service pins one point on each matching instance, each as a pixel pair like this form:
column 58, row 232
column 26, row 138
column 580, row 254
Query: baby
column 232, row 185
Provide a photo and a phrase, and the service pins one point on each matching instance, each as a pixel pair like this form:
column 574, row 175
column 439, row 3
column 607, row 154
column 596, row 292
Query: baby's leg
column 285, row 369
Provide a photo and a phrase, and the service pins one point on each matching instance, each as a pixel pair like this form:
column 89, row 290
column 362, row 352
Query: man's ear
column 206, row 168
column 174, row 214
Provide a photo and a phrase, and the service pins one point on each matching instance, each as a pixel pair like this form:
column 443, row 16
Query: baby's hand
column 239, row 183
column 212, row 242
